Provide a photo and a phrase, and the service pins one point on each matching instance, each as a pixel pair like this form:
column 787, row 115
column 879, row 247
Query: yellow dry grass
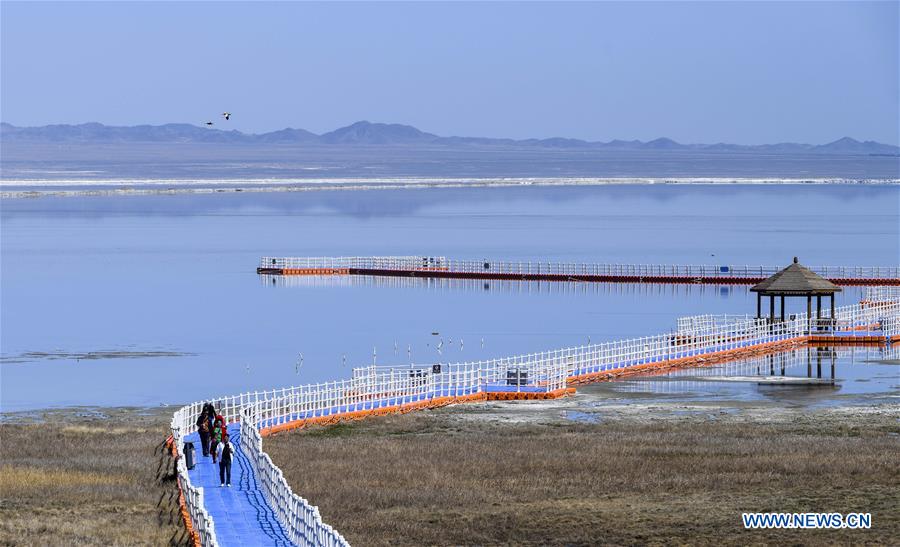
column 17, row 481
column 429, row 479
column 87, row 481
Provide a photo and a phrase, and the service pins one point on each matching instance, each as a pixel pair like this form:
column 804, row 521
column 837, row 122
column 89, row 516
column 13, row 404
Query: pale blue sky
column 696, row 72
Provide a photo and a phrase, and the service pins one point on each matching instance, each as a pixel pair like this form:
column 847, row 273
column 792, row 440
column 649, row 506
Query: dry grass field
column 433, row 478
column 72, row 478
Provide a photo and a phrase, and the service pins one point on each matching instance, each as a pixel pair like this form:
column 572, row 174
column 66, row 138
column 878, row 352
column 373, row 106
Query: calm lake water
column 154, row 299
column 862, row 375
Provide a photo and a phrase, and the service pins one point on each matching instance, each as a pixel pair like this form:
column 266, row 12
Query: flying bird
column 209, row 123
column 226, row 115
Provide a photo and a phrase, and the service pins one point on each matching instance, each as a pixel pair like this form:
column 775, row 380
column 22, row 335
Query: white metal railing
column 882, row 294
column 871, row 317
column 890, row 326
column 705, row 322
column 201, row 522
column 354, row 262
column 300, row 520
column 513, row 267
column 377, row 387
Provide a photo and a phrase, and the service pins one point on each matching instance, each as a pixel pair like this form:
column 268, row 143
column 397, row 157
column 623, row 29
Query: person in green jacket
column 214, row 440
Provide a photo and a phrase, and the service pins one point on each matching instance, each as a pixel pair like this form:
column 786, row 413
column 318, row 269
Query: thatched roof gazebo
column 795, row 281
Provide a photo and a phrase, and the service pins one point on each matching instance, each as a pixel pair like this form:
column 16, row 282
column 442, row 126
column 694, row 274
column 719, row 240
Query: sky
column 746, row 73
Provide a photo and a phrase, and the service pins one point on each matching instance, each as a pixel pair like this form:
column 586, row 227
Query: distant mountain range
column 367, row 133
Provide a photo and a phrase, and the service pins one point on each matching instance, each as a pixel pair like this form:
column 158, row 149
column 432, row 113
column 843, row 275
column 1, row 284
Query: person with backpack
column 210, row 414
column 225, row 451
column 203, row 430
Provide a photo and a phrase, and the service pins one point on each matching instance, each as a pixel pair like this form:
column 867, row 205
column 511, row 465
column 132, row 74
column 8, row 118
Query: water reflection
column 177, row 274
column 800, row 376
column 497, row 285
column 689, row 203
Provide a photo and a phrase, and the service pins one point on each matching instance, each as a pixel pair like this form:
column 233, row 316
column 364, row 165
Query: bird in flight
column 227, row 115
column 209, row 123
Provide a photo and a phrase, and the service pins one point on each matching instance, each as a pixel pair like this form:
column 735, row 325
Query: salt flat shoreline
column 31, row 188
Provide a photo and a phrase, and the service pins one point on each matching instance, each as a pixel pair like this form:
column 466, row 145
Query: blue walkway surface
column 240, row 513
column 243, row 517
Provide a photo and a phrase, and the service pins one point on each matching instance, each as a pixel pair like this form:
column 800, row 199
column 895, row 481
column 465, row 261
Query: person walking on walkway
column 203, row 430
column 219, row 428
column 210, row 414
column 214, row 438
column 225, row 451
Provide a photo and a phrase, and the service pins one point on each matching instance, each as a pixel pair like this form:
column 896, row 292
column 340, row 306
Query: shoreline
column 591, row 403
column 32, row 188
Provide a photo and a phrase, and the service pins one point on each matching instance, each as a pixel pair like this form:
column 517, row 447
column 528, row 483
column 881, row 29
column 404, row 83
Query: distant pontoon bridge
column 442, row 267
column 264, row 510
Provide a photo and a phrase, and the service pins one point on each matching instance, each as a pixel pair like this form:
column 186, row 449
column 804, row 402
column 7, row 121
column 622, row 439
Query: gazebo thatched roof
column 796, row 280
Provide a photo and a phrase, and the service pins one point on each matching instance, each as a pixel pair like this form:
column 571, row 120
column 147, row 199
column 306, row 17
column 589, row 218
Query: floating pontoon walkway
column 262, row 509
column 441, row 267
column 241, row 513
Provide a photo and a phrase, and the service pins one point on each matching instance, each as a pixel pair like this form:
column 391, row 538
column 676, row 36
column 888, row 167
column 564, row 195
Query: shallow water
column 164, row 289
column 861, row 376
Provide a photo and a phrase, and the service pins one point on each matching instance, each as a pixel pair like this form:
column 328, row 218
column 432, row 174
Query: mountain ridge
column 364, row 133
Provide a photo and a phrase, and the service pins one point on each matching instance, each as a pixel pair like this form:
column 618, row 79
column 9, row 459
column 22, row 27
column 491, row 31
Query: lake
column 147, row 300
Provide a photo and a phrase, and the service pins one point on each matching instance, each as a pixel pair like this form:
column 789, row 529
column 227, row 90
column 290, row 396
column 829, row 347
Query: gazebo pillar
column 833, row 324
column 782, row 308
column 759, row 305
column 771, row 308
column 808, row 312
column 818, row 312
